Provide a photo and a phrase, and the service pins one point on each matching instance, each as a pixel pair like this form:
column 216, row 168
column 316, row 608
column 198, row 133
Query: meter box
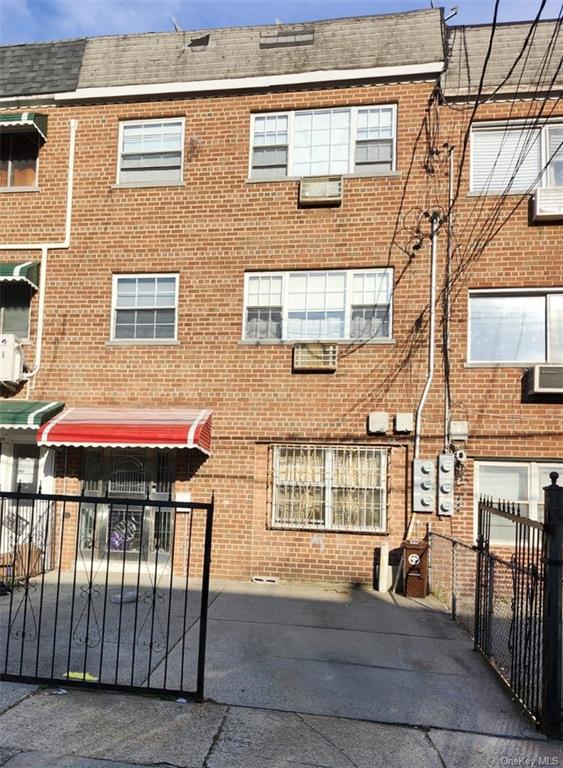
column 424, row 485
column 446, row 472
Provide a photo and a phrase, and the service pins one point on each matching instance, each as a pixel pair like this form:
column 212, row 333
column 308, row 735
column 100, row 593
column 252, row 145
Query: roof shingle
column 534, row 71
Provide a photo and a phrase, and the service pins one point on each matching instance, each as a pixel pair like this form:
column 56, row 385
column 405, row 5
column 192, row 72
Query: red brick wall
column 213, row 229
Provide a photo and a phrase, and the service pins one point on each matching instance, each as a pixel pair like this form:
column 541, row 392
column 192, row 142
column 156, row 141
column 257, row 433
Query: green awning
column 28, row 271
column 27, row 414
column 25, row 121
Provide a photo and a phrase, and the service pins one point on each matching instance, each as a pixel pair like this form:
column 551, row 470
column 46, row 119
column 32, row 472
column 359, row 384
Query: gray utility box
column 423, row 485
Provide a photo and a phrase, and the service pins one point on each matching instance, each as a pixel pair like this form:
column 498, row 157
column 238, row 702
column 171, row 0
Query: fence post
column 478, row 575
column 204, row 600
column 454, row 581
column 490, row 607
column 551, row 657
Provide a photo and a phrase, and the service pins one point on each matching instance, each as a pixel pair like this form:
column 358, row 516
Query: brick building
column 201, row 312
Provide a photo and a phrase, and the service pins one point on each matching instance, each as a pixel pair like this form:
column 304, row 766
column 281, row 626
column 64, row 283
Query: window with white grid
column 329, row 487
column 269, row 154
column 318, row 142
column 321, row 142
column 144, row 307
column 264, row 307
column 374, row 140
column 318, row 305
column 151, row 151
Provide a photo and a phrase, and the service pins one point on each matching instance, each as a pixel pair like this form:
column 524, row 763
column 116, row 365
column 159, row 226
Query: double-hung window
column 516, row 327
column 519, row 482
column 329, row 487
column 513, row 158
column 323, row 141
column 144, row 307
column 151, row 151
column 318, row 305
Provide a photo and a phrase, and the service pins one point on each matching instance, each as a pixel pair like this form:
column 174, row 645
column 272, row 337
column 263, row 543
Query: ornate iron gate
column 104, row 592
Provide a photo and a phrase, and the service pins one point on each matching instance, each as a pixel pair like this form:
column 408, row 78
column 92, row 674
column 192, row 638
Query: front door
column 118, row 528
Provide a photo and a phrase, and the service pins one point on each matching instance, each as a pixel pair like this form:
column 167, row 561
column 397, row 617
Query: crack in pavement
column 328, row 741
column 215, row 738
column 435, row 748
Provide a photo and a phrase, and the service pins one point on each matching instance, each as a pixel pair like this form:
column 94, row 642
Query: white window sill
column 383, row 174
column 517, row 364
column 19, row 189
column 142, row 343
column 526, row 193
column 148, row 184
column 322, row 529
column 293, row 342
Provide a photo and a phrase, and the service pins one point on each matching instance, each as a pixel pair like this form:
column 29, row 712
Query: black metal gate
column 509, row 600
column 104, row 592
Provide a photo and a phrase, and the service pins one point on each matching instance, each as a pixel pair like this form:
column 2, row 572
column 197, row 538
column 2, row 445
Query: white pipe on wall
column 45, row 247
column 431, row 335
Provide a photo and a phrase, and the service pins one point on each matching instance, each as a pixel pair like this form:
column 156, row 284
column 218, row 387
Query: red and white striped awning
column 129, row 428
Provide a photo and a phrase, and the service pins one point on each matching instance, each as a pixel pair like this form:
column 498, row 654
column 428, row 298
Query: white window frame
column 534, row 498
column 347, row 338
column 122, row 275
column 329, row 457
column 165, row 183
column 508, row 126
column 510, row 292
column 353, row 133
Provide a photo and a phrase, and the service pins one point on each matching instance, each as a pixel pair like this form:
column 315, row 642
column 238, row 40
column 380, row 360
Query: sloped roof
column 354, row 43
column 534, row 72
column 218, row 54
column 40, row 67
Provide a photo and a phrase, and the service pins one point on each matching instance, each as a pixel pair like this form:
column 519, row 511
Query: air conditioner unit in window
column 11, row 359
column 544, row 380
column 320, row 190
column 548, row 204
column 315, row 357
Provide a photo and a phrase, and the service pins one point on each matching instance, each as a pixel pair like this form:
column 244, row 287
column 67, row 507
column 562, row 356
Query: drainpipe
column 434, row 218
column 44, row 249
column 447, row 306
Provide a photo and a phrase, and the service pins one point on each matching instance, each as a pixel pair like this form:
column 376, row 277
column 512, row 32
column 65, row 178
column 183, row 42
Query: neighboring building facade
column 163, row 263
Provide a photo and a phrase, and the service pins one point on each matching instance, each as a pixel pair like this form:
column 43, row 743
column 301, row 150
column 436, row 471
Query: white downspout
column 447, row 305
column 431, row 335
column 45, row 247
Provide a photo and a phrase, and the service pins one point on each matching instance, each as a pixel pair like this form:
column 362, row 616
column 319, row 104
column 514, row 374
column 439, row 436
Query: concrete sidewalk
column 88, row 729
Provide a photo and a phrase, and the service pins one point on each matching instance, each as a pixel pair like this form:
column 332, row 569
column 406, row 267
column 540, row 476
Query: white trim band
column 235, row 83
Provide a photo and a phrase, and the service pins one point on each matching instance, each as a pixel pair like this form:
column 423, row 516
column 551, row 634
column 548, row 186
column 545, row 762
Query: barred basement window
column 329, row 488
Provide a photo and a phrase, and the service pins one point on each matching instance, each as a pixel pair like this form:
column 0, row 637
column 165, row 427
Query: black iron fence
column 507, row 592
column 509, row 600
column 104, row 591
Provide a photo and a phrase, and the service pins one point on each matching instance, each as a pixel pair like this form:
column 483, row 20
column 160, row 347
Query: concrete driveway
column 350, row 653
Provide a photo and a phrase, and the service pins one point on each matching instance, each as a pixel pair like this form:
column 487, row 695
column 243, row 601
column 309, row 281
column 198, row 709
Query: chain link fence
column 453, row 565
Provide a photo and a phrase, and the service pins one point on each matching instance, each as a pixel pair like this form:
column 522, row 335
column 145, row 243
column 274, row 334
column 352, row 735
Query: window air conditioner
column 11, row 358
column 548, row 204
column 544, row 380
column 315, row 357
column 320, row 190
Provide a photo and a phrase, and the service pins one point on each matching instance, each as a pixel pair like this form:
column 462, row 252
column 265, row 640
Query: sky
column 36, row 20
